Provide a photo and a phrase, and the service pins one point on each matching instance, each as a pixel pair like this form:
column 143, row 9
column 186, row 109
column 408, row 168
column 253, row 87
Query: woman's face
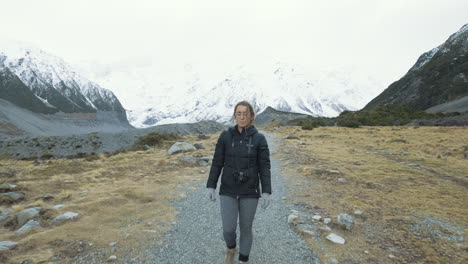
column 243, row 116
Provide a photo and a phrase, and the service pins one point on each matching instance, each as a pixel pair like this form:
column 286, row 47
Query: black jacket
column 232, row 151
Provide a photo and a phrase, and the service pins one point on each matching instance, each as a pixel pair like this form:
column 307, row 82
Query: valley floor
column 410, row 184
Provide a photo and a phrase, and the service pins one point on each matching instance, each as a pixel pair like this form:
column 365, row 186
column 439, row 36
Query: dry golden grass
column 117, row 198
column 383, row 181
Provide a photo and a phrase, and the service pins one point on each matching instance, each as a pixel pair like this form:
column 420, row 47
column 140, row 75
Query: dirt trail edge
column 196, row 236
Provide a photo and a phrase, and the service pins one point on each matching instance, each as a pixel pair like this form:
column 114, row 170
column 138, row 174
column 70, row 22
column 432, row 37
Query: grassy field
column 123, row 198
column 411, row 184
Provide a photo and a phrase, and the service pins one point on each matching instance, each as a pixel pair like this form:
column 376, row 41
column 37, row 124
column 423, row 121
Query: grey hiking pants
column 245, row 208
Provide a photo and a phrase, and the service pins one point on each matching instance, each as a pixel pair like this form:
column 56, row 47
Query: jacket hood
column 249, row 130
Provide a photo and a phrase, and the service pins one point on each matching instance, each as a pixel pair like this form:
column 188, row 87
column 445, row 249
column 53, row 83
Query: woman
column 243, row 156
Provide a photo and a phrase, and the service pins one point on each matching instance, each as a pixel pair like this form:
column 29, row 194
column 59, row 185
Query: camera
column 240, row 176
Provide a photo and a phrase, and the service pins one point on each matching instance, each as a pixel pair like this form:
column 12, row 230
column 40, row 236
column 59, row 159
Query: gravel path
column 197, row 233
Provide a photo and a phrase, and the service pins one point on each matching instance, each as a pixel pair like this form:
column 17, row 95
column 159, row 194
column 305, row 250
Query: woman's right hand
column 210, row 192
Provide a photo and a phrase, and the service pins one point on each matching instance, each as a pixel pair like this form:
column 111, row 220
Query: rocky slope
column 439, row 76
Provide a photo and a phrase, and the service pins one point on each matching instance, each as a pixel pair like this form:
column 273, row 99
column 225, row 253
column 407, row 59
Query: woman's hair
column 251, row 110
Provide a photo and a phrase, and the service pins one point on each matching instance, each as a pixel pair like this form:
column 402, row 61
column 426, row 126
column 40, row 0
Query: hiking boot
column 229, row 257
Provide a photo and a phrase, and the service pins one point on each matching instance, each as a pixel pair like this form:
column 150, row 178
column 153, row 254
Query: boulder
column 64, row 217
column 345, row 220
column 180, row 147
column 7, row 245
column 27, row 214
column 293, row 219
column 188, row 158
column 335, row 238
column 29, row 225
column 4, row 214
column 15, row 196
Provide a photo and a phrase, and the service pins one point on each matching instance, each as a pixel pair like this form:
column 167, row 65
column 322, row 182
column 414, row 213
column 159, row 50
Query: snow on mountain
column 55, row 82
column 155, row 94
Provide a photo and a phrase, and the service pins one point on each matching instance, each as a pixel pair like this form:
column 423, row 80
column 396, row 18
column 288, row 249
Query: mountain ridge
column 56, row 83
column 439, row 76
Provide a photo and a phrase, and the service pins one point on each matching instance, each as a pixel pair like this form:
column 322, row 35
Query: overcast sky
column 383, row 37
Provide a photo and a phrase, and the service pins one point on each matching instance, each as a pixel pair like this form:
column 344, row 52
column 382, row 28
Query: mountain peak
column 55, row 82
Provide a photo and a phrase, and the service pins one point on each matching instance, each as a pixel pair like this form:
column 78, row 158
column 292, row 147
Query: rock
column 63, row 217
column 318, row 170
column 180, row 147
column 5, row 213
column 343, row 180
column 292, row 136
column 391, row 256
column 206, row 158
column 27, row 214
column 29, row 225
column 7, row 187
column 203, row 163
column 358, row 163
column 15, row 196
column 325, row 228
column 466, row 155
column 47, row 198
column 113, row 243
column 358, row 212
column 201, row 136
column 7, row 245
column 335, row 238
column 346, row 220
column 149, row 231
column 332, row 261
column 83, row 193
column 188, row 158
column 146, row 147
column 366, row 252
column 293, row 219
column 301, row 143
column 308, row 232
column 316, row 217
column 334, row 171
column 198, row 146
column 58, row 206
column 327, row 220
column 112, row 258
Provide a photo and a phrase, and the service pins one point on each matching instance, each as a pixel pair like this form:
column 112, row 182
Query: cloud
column 383, row 35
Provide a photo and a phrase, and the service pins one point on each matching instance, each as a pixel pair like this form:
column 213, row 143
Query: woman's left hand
column 266, row 200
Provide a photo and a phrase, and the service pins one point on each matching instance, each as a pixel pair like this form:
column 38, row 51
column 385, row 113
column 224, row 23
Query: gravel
column 197, row 234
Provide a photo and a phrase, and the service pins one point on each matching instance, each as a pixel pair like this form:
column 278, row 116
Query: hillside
column 439, row 76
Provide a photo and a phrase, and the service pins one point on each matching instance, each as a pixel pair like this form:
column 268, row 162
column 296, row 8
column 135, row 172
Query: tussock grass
column 117, row 197
column 398, row 176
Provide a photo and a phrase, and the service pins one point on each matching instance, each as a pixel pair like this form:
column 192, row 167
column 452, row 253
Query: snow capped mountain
column 439, row 77
column 55, row 82
column 159, row 94
column 444, row 48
